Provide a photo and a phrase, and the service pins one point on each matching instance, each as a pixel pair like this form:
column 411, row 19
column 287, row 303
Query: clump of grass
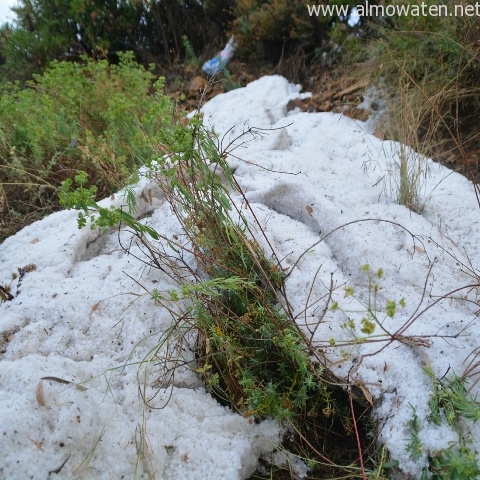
column 406, row 176
column 434, row 96
column 451, row 399
column 407, row 118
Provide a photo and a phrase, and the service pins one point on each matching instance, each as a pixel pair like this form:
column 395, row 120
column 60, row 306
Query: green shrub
column 461, row 464
column 88, row 116
column 248, row 345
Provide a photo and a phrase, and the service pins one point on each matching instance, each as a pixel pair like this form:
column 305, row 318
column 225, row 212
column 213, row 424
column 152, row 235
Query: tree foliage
column 64, row 30
column 280, row 26
column 153, row 29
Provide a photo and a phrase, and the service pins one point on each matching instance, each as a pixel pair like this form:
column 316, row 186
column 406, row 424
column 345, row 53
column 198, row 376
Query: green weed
column 192, row 57
column 450, row 401
column 414, row 446
column 455, row 464
column 373, row 314
column 88, row 116
column 230, row 308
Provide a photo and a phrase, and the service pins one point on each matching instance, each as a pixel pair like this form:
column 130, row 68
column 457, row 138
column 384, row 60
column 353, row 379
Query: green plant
column 381, row 465
column 88, row 116
column 258, row 350
column 369, row 309
column 409, row 173
column 190, row 52
column 406, row 176
column 230, row 308
column 93, row 214
column 228, row 82
column 452, row 399
column 414, row 446
column 455, row 464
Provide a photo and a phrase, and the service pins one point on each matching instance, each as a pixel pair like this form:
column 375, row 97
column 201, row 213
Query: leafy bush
column 88, row 116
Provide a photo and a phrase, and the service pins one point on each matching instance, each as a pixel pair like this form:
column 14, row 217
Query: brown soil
column 333, row 90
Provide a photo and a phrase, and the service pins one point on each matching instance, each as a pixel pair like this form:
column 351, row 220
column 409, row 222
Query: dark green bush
column 269, row 27
column 60, row 30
